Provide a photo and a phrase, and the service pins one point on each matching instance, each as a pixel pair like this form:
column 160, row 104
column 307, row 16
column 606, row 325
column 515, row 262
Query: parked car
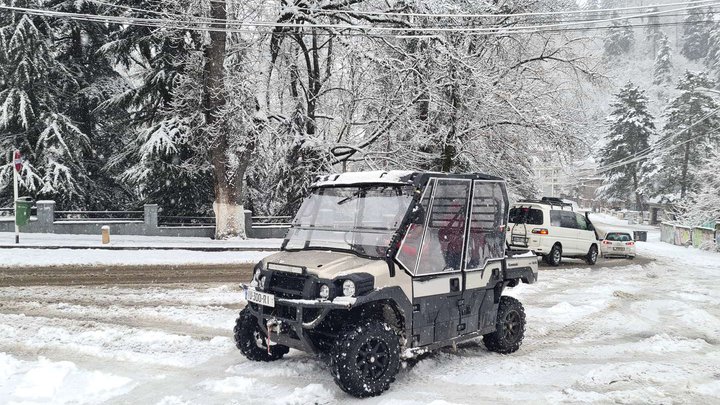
column 618, row 244
column 552, row 229
column 381, row 266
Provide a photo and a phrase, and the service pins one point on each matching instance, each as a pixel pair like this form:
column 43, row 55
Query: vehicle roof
column 398, row 177
column 619, row 231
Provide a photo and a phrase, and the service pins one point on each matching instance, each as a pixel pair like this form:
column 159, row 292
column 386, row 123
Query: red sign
column 17, row 160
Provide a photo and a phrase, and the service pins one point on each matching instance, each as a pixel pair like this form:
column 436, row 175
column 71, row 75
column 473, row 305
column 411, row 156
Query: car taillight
column 630, row 243
column 607, row 242
column 540, row 231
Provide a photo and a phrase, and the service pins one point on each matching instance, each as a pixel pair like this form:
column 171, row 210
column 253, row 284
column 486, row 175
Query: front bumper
column 291, row 319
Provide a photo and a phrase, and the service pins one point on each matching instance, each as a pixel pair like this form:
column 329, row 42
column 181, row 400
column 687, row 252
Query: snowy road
column 635, row 333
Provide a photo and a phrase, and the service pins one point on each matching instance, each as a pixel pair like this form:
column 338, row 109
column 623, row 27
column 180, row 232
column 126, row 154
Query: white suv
column 550, row 228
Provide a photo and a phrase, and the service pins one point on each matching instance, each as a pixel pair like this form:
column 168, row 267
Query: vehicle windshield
column 362, row 219
column 618, row 237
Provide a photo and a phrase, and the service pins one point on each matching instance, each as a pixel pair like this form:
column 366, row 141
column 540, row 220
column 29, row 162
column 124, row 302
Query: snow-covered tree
column 51, row 80
column 158, row 162
column 696, row 31
column 619, row 38
column 712, row 60
column 703, row 205
column 630, row 132
column 690, row 132
column 663, row 69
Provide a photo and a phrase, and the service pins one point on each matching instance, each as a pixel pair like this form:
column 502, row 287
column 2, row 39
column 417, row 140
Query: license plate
column 518, row 239
column 619, row 248
column 258, row 297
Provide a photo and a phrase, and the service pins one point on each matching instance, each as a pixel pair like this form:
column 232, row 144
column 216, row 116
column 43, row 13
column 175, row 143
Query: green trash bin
column 22, row 208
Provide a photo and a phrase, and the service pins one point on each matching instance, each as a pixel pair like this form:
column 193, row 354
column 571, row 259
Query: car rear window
column 526, row 215
column 618, row 237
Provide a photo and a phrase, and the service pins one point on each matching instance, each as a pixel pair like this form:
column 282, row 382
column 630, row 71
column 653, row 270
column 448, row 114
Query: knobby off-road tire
column 554, row 258
column 366, row 358
column 509, row 329
column 592, row 256
column 252, row 342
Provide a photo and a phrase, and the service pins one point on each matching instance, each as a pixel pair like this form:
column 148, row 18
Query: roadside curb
column 99, row 274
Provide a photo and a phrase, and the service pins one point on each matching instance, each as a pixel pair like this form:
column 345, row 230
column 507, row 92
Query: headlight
column 256, row 276
column 348, row 288
column 324, row 291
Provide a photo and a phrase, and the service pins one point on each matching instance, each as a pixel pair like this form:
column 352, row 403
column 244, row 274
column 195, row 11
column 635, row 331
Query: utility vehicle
column 382, row 266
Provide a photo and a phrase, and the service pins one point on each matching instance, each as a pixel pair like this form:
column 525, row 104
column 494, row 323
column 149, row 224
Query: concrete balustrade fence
column 145, row 222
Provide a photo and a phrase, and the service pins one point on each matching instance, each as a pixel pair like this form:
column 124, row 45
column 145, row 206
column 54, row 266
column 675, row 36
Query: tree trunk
column 686, row 162
column 228, row 204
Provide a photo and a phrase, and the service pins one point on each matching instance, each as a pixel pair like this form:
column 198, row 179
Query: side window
column 445, row 233
column 555, row 218
column 487, row 224
column 582, row 223
column 410, row 245
column 567, row 219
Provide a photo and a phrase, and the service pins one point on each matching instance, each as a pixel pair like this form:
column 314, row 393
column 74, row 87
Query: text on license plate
column 518, row 239
column 618, row 248
column 258, row 297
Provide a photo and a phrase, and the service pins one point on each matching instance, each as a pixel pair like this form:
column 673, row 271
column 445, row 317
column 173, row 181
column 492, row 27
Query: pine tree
column 691, row 131
column 712, row 60
column 696, row 34
column 631, row 128
column 620, row 38
column 43, row 104
column 158, row 161
column 663, row 65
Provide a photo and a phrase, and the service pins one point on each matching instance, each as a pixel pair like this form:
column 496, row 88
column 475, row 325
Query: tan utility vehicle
column 381, row 266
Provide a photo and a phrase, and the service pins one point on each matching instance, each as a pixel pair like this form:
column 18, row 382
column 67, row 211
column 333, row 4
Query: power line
column 648, row 152
column 265, row 24
column 454, row 15
column 234, row 22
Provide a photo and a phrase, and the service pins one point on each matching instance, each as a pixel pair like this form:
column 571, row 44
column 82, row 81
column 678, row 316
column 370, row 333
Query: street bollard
column 105, row 234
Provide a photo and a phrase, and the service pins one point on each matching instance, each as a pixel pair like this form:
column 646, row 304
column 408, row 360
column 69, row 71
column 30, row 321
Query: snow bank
column 61, row 382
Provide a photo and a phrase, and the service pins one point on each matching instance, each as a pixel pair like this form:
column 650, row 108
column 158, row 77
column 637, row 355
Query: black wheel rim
column 373, row 359
column 511, row 326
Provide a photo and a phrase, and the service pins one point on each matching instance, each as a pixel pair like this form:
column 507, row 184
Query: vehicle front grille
column 287, row 285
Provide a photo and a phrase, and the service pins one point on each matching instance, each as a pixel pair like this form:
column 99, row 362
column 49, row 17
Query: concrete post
column 45, row 215
column 248, row 224
column 151, row 216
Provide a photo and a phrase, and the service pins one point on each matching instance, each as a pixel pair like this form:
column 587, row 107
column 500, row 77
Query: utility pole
column 17, row 166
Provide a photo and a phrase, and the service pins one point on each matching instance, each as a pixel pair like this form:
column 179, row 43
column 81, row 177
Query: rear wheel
column 555, row 256
column 366, row 358
column 509, row 327
column 252, row 342
column 592, row 255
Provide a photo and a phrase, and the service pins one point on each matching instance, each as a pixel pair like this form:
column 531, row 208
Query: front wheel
column 592, row 256
column 509, row 327
column 252, row 342
column 366, row 358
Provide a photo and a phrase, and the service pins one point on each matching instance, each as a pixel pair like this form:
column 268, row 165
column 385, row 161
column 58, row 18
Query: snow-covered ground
column 90, row 241
column 631, row 334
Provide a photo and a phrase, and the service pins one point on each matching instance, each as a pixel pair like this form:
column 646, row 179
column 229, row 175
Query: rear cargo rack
column 551, row 201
